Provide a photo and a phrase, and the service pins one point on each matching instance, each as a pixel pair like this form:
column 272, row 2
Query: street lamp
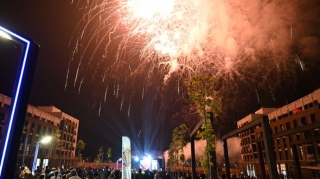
column 44, row 140
column 5, row 35
column 118, row 161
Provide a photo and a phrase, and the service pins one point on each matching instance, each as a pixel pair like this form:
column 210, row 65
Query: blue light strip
column 8, row 135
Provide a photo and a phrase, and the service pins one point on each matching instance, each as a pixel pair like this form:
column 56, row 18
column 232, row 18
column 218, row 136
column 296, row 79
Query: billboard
column 126, row 158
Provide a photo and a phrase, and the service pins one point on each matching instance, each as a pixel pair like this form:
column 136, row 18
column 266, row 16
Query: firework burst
column 123, row 41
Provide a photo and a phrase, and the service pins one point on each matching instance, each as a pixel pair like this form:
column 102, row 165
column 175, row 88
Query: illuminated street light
column 44, row 140
column 136, row 158
column 5, row 35
column 118, row 161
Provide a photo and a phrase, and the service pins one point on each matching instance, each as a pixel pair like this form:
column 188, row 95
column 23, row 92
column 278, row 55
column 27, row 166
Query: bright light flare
column 5, row 35
column 171, row 30
column 46, row 139
column 147, row 9
column 136, row 158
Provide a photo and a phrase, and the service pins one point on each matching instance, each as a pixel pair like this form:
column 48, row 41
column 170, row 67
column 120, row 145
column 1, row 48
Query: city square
column 165, row 89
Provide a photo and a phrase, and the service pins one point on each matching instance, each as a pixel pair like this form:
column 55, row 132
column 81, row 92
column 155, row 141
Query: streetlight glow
column 136, row 158
column 45, row 139
column 5, row 35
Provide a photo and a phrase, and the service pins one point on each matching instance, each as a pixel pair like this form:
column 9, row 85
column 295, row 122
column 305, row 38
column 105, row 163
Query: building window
column 316, row 133
column 307, row 134
column 284, row 142
column 295, row 123
column 29, row 114
column 278, row 142
column 6, row 106
column 287, row 154
column 38, row 129
column 2, row 117
column 303, row 121
column 32, row 128
column 288, row 125
column 44, row 130
column 311, row 152
column 275, row 129
column 298, row 136
column 313, row 118
column 290, row 138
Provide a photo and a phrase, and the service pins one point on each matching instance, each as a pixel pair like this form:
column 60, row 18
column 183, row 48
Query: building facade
column 40, row 122
column 296, row 139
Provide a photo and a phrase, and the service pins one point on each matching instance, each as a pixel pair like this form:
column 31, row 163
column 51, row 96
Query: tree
column 182, row 159
column 207, row 134
column 98, row 158
column 177, row 144
column 56, row 143
column 80, row 146
column 109, row 155
column 201, row 90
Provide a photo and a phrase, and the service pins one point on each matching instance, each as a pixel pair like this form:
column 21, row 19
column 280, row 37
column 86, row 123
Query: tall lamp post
column 44, row 140
column 118, row 161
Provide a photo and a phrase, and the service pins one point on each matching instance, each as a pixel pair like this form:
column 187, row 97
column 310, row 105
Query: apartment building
column 40, row 122
column 296, row 139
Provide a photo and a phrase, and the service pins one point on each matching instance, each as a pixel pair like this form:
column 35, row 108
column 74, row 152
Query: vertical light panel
column 22, row 86
column 16, row 95
column 126, row 158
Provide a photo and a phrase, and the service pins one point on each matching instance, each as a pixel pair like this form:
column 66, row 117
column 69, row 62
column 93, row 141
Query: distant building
column 40, row 122
column 296, row 139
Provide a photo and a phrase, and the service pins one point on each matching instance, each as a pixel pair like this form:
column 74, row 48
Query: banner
column 126, row 158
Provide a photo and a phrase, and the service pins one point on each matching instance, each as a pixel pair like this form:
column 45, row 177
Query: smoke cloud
column 233, row 151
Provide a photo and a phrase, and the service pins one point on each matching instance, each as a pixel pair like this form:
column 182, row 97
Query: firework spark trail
column 129, row 109
column 142, row 94
column 105, row 94
column 257, row 95
column 271, row 93
column 300, row 63
column 275, row 61
column 291, row 32
column 121, row 102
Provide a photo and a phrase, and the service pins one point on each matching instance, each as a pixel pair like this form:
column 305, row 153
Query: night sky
column 51, row 24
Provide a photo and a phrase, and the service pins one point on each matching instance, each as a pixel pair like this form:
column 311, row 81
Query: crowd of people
column 103, row 173
column 95, row 173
